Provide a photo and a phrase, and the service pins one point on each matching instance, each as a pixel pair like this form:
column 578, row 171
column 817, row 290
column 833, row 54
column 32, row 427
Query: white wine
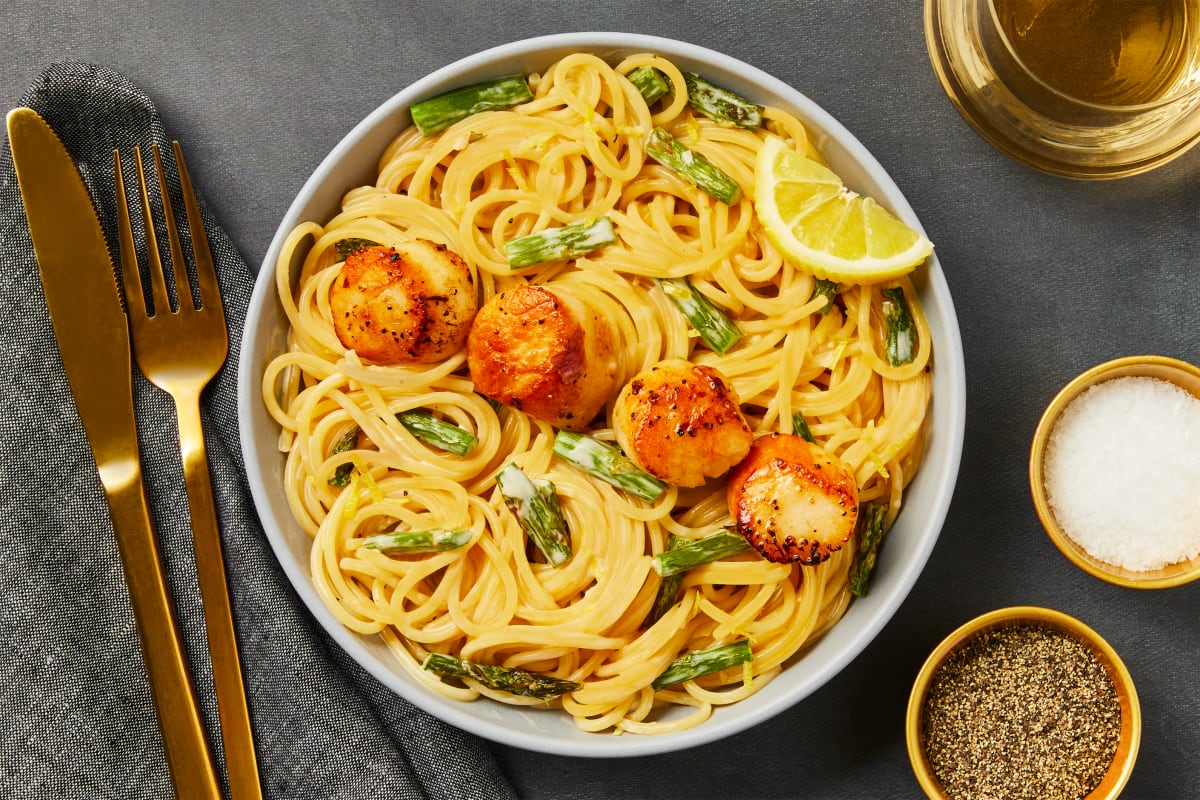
column 1082, row 88
column 1109, row 52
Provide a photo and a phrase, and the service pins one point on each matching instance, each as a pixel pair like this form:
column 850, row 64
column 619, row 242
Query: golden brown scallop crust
column 411, row 304
column 548, row 354
column 792, row 500
column 681, row 422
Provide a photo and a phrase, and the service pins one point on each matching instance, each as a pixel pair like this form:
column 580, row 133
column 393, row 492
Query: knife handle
column 184, row 741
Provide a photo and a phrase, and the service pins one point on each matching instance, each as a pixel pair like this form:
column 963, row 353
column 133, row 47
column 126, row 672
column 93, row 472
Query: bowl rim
column 945, row 446
column 1122, row 765
column 1168, row 368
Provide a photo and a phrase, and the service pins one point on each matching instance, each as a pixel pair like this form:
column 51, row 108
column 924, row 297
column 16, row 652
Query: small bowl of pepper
column 1025, row 703
column 1115, row 473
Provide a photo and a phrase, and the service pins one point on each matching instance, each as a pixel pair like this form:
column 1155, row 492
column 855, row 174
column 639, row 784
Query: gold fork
column 180, row 350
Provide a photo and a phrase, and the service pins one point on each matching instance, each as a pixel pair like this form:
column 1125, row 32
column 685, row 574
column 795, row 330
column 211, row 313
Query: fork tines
column 208, row 296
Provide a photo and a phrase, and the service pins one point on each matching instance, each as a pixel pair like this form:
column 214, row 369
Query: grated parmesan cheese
column 1122, row 472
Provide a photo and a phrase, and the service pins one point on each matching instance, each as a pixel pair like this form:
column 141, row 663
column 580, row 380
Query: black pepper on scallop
column 544, row 352
column 792, row 500
column 681, row 422
column 408, row 304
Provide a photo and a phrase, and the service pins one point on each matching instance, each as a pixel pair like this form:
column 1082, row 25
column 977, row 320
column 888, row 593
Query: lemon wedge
column 815, row 221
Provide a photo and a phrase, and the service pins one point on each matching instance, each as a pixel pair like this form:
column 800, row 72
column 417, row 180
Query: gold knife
column 93, row 338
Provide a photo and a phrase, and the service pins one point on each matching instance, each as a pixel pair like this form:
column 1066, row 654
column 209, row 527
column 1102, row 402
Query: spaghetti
column 576, row 152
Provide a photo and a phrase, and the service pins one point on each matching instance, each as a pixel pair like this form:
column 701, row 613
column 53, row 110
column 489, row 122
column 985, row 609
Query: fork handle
column 184, row 742
column 236, row 734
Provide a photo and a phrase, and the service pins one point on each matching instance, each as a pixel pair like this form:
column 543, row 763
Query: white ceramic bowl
column 353, row 163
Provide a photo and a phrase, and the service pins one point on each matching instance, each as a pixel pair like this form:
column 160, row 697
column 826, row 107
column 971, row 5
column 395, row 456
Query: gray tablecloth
column 1049, row 277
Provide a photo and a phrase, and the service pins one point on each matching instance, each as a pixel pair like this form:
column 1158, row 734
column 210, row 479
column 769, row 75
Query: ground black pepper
column 1023, row 712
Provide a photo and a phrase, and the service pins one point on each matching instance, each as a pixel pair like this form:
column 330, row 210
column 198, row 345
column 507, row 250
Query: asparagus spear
column 870, row 534
column 431, row 541
column 556, row 244
column 702, row 662
column 607, row 463
column 668, row 587
column 437, row 432
column 717, row 330
column 722, row 105
column 680, row 559
column 692, row 167
column 650, row 82
column 504, row 679
column 823, row 287
column 345, row 247
column 347, row 441
column 536, row 507
column 901, row 332
column 800, row 428
column 440, row 112
column 494, row 403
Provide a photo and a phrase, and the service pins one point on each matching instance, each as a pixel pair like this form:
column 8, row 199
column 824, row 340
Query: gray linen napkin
column 76, row 717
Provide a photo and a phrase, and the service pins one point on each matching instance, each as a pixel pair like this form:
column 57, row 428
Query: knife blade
column 91, row 328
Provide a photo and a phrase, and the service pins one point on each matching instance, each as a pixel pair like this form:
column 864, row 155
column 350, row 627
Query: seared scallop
column 409, row 304
column 681, row 422
column 792, row 500
column 546, row 353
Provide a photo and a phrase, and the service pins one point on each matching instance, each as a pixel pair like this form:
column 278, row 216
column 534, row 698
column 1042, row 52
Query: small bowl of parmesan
column 1115, row 471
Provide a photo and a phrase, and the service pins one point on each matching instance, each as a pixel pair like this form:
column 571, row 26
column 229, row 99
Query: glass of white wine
column 1081, row 88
